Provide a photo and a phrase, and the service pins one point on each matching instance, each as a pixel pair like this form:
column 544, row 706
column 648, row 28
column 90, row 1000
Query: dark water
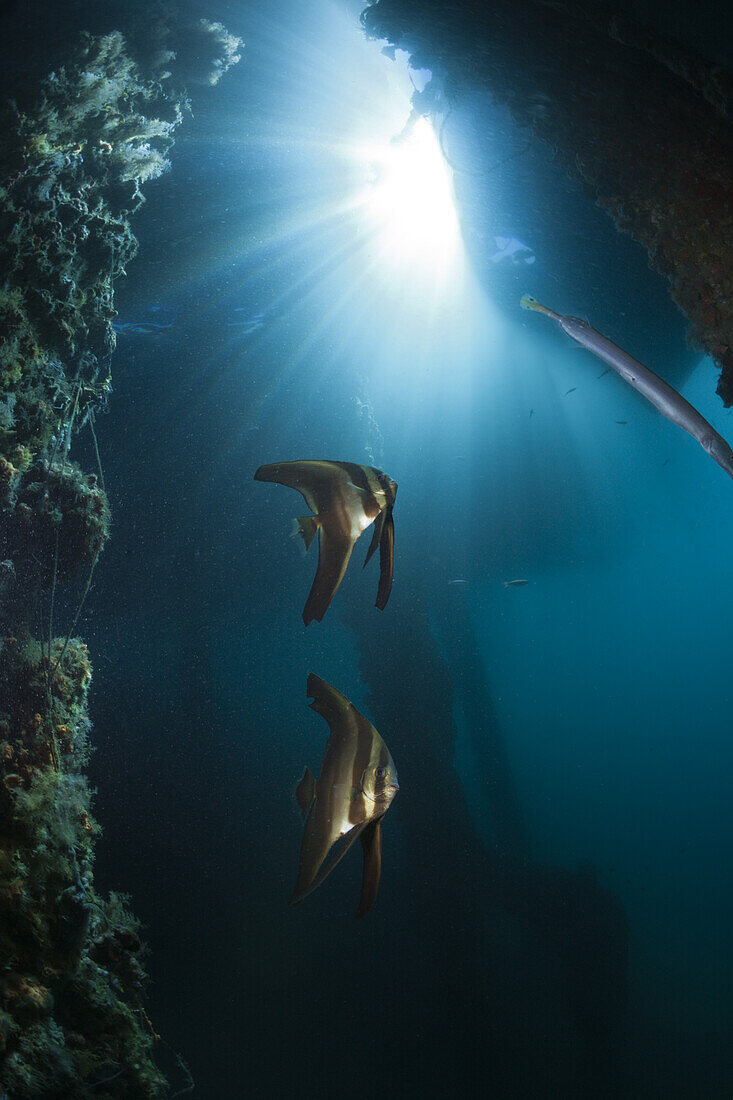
column 556, row 901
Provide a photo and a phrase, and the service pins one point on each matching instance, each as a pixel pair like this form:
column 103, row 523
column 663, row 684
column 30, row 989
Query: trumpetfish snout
column 528, row 302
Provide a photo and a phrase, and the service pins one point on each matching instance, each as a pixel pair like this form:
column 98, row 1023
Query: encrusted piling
column 639, row 119
column 73, row 161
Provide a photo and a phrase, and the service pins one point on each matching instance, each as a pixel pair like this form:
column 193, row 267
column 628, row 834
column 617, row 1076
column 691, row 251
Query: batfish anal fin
column 305, row 792
column 371, row 842
column 376, row 536
column 307, row 528
column 333, row 557
column 386, row 562
column 340, row 849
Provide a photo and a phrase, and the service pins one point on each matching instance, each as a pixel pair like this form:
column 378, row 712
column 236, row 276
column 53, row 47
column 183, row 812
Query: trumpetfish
column 662, row 396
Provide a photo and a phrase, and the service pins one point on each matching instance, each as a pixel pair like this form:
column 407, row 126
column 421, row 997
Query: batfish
column 353, row 792
column 346, row 498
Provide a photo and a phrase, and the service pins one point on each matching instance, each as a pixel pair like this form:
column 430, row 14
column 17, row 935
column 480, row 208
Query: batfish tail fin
column 305, row 792
column 371, row 842
column 307, row 528
column 386, row 561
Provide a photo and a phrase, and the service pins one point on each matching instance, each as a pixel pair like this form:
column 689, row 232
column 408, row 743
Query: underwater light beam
column 410, row 200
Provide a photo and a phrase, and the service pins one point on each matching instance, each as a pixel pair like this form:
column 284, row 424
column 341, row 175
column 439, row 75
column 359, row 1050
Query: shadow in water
column 516, row 956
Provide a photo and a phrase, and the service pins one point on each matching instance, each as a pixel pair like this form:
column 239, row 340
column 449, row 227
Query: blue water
column 563, row 747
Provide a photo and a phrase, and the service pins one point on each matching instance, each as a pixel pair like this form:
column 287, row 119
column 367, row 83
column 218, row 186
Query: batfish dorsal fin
column 305, row 792
column 328, row 702
column 282, row 473
column 304, row 474
column 313, row 479
column 386, row 561
column 371, row 842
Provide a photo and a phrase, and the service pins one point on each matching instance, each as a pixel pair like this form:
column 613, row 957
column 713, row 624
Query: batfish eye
column 380, row 772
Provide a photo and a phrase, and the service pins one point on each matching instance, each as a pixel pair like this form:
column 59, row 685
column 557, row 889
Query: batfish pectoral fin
column 386, row 561
column 371, row 842
column 372, row 500
column 307, row 528
column 305, row 792
column 310, row 878
column 362, row 493
column 376, row 536
column 333, row 557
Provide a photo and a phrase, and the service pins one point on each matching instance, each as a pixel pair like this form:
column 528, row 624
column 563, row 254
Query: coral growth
column 206, row 50
column 70, row 174
column 58, row 524
column 71, row 974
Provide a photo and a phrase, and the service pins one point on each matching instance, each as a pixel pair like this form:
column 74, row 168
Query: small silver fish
column 246, row 324
column 514, row 584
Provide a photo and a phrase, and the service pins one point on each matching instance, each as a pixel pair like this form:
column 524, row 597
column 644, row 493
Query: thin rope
column 96, row 451
column 94, row 559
